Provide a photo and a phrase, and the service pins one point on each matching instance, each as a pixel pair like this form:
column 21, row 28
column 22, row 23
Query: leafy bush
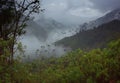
column 95, row 66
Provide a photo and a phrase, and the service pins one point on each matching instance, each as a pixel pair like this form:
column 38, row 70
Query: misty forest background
column 47, row 51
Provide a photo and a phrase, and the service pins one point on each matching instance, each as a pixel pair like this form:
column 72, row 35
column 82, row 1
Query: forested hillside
column 93, row 38
column 95, row 66
column 95, row 57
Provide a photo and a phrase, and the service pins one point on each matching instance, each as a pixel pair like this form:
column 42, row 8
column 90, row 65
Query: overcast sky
column 77, row 11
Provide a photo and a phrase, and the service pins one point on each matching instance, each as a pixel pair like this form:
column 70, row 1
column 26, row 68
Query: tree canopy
column 13, row 17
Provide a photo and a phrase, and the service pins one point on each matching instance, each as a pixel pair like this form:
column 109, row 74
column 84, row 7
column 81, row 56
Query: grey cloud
column 77, row 11
column 79, row 3
column 106, row 5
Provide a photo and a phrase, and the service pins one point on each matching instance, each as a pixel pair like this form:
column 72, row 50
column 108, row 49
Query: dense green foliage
column 95, row 66
column 93, row 38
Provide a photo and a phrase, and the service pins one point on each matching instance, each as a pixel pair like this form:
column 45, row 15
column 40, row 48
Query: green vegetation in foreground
column 95, row 66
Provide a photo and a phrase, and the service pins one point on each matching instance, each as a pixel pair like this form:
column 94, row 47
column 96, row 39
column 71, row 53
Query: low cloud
column 77, row 11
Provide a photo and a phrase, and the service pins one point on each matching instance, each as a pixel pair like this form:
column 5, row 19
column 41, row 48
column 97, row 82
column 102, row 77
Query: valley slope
column 93, row 38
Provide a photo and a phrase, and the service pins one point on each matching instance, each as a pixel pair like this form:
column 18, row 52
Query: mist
column 61, row 19
column 41, row 36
